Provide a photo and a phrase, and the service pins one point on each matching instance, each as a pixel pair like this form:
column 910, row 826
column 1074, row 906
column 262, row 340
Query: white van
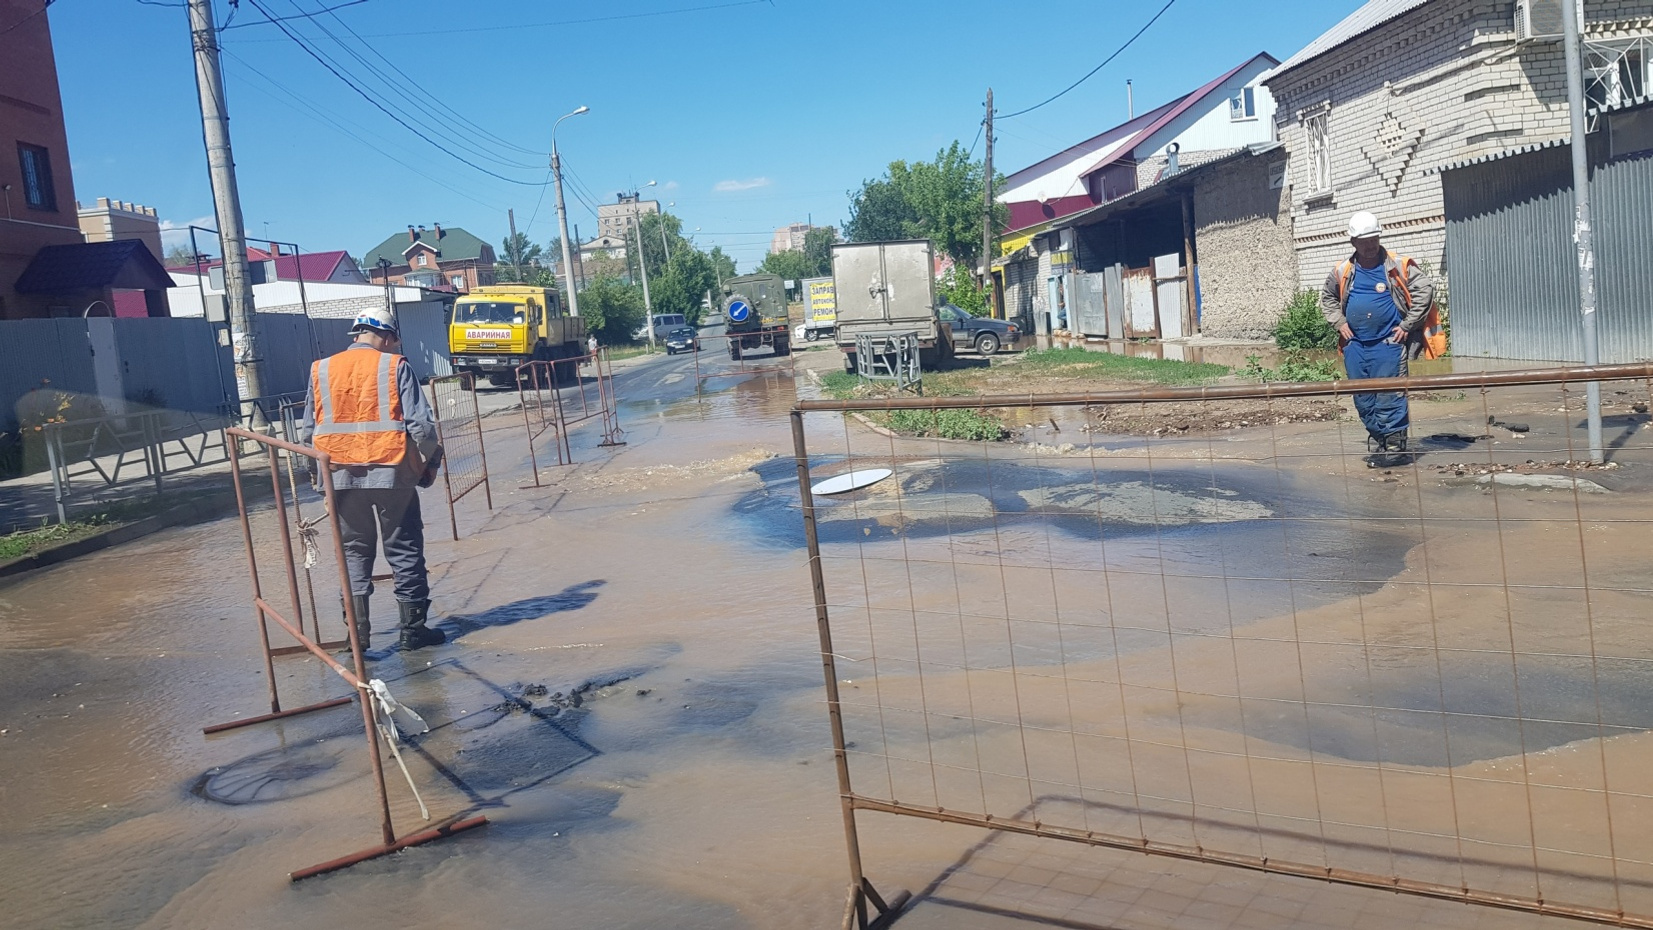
column 663, row 324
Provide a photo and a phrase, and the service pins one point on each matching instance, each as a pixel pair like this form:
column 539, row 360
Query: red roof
column 312, row 266
column 1182, row 106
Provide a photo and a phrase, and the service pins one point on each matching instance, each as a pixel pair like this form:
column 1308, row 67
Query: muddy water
column 633, row 694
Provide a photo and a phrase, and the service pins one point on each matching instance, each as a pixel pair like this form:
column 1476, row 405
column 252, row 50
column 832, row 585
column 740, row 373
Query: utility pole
column 1572, row 29
column 579, row 257
column 516, row 266
column 215, row 129
column 562, row 225
column 987, row 214
column 642, row 266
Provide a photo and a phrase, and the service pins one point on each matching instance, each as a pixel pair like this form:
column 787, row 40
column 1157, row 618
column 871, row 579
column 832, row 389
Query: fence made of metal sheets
column 1224, row 628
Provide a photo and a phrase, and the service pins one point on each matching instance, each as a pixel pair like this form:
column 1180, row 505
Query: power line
column 565, row 22
column 392, row 88
column 381, row 107
column 1099, row 67
column 301, row 15
column 300, row 104
column 43, row 6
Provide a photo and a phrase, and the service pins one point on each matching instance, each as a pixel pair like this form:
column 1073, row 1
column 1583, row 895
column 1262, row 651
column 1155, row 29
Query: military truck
column 888, row 289
column 499, row 327
column 754, row 311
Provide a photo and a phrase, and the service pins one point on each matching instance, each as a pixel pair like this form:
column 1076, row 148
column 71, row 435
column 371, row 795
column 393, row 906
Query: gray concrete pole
column 1582, row 235
column 986, row 279
column 562, row 226
column 232, row 234
column 642, row 267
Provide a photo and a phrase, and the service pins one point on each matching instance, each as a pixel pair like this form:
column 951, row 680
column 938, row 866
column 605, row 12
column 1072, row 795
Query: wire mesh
column 459, row 425
column 1220, row 624
column 537, row 395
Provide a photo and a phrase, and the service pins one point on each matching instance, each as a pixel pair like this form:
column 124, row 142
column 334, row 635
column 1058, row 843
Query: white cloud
column 724, row 187
column 178, row 234
column 669, row 186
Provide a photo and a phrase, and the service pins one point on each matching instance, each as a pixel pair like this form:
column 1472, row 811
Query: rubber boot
column 415, row 635
column 1379, row 448
column 1398, row 456
column 364, row 628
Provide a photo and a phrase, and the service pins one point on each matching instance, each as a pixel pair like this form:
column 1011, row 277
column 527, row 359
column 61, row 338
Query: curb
column 195, row 511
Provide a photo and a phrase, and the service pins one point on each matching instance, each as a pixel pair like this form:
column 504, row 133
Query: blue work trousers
column 1385, row 412
column 365, row 513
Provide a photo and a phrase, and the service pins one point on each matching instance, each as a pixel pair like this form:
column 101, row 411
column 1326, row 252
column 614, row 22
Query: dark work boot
column 1378, row 446
column 364, row 628
column 1398, row 456
column 415, row 635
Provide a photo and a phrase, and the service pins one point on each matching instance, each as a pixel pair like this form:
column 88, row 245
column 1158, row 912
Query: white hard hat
column 375, row 318
column 1363, row 225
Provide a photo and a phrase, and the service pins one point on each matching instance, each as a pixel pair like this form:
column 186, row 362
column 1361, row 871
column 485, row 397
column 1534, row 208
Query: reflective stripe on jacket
column 359, row 419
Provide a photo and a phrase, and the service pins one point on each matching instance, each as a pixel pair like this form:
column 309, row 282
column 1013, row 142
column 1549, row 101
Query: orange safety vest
column 358, row 409
column 1433, row 332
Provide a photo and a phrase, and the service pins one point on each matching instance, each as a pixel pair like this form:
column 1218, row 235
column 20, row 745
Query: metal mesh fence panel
column 1219, row 624
column 459, row 424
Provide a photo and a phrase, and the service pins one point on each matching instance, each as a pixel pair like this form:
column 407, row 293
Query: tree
column 612, row 309
column 789, row 265
column 959, row 288
column 519, row 262
column 818, row 250
column 179, row 255
column 938, row 200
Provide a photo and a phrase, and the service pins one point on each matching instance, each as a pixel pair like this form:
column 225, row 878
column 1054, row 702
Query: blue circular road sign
column 739, row 310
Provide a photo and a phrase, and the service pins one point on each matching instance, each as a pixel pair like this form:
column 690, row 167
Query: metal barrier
column 1232, row 633
column 459, row 424
column 592, row 397
column 537, row 394
column 138, row 446
column 890, row 357
column 741, row 361
column 376, row 704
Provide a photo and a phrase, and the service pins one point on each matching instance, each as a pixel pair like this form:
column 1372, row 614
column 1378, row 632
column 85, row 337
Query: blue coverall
column 1372, row 317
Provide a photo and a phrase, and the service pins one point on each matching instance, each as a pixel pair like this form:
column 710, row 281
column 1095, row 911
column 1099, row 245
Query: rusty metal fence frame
column 865, row 907
column 465, row 463
column 774, row 364
column 565, row 374
column 362, row 687
column 538, row 397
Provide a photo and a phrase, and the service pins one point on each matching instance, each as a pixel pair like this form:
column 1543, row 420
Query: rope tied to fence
column 310, row 538
column 385, row 708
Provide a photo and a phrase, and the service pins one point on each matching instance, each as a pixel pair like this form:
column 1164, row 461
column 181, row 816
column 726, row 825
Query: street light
column 562, row 216
column 663, row 244
column 642, row 267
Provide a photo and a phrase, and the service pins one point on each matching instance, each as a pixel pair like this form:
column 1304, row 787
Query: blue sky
column 749, row 115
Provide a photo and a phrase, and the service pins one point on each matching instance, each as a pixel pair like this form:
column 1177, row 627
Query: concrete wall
column 1443, row 82
column 1242, row 231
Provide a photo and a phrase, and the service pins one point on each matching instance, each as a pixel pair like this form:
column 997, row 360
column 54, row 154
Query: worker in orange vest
column 1382, row 306
column 366, row 411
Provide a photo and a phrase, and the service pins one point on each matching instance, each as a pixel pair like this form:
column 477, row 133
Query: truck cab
column 498, row 328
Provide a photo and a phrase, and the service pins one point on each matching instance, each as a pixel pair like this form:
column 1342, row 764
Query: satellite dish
column 838, row 484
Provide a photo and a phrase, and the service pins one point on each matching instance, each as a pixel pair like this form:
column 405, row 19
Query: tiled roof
column 315, row 266
column 1368, row 17
column 123, row 263
column 455, row 245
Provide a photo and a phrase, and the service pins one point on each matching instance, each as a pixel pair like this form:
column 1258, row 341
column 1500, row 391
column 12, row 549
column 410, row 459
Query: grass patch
column 1296, row 366
column 616, row 353
column 977, row 425
column 1080, row 363
column 25, row 542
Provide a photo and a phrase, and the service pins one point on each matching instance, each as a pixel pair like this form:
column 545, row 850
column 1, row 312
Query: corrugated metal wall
column 34, row 351
column 170, row 363
column 1513, row 265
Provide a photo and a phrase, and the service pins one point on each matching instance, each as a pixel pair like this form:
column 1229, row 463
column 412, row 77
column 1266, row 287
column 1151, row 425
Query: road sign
column 739, row 310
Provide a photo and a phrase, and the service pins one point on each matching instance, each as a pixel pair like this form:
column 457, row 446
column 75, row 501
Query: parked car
column 985, row 335
column 682, row 339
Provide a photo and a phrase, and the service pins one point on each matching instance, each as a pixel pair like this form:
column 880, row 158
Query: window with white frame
column 458, row 282
column 1243, row 105
column 421, row 261
column 1318, row 148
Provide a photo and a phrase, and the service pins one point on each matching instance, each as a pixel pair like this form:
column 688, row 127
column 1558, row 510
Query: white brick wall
column 1444, row 82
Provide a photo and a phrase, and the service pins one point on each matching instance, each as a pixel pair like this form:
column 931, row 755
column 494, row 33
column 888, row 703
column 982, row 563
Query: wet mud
column 633, row 689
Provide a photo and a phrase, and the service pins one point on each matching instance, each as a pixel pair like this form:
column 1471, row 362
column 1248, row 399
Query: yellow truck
column 499, row 327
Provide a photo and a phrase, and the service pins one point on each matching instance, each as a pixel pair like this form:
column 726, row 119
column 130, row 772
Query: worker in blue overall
column 1377, row 301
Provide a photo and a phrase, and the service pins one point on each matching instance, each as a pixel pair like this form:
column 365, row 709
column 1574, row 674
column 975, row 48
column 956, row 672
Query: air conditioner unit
column 1539, row 20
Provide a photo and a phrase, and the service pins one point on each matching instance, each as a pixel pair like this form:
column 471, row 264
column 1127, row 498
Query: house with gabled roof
column 1449, row 120
column 1103, row 205
column 439, row 258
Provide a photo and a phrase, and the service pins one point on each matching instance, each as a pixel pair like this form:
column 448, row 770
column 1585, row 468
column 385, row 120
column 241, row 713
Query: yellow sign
column 823, row 300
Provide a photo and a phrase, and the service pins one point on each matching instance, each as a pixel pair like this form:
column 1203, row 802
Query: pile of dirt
column 1529, row 467
column 1169, row 419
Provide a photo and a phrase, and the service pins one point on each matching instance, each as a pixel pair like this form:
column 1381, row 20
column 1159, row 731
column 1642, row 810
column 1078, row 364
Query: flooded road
column 633, row 692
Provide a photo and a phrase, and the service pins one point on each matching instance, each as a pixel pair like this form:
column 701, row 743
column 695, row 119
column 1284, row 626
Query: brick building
column 1373, row 110
column 439, row 259
column 38, row 189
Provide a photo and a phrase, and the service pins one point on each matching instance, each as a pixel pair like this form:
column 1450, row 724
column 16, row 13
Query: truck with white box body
column 888, row 289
